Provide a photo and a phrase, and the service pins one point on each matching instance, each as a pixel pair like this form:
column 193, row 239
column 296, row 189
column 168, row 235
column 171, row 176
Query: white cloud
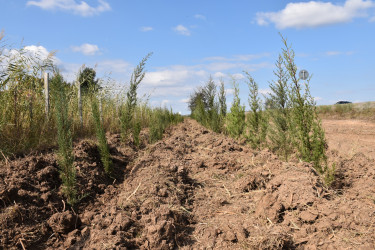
column 32, row 54
column 182, row 30
column 333, row 53
column 119, row 69
column 185, row 100
column 336, row 53
column 172, row 76
column 238, row 76
column 146, row 28
column 40, row 52
column 315, row 14
column 229, row 91
column 86, row 49
column 114, row 66
column 265, row 91
column 372, row 19
column 164, row 103
column 317, row 98
column 219, row 75
column 199, row 16
column 82, row 8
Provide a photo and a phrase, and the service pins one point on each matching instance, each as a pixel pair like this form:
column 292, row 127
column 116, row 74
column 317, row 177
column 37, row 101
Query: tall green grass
column 25, row 126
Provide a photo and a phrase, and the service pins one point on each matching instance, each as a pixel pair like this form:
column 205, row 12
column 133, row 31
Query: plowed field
column 193, row 190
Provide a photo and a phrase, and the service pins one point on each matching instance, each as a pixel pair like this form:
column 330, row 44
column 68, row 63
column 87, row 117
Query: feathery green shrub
column 257, row 123
column 100, row 134
column 307, row 132
column 64, row 139
column 131, row 100
column 212, row 109
column 280, row 134
column 236, row 118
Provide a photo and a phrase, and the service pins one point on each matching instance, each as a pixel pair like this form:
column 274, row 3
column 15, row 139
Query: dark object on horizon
column 343, row 102
column 87, row 80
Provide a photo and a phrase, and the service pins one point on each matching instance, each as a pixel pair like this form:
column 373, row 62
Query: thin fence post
column 46, row 92
column 100, row 108
column 79, row 103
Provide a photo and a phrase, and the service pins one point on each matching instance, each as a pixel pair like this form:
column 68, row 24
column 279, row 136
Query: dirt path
column 193, row 190
column 349, row 137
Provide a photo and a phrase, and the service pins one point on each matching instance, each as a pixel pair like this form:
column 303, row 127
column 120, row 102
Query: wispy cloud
column 172, row 76
column 114, row 66
column 219, row 75
column 336, row 53
column 199, row 16
column 81, row 8
column 238, row 76
column 317, row 98
column 146, row 28
column 315, row 14
column 184, row 100
column 229, row 91
column 86, row 49
column 182, row 30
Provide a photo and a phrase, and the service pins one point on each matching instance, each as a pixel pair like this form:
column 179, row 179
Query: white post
column 46, row 92
column 100, row 108
column 79, row 102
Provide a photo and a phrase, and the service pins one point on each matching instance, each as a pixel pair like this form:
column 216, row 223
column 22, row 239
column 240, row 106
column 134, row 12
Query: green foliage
column 100, row 135
column 136, row 131
column 199, row 112
column 160, row 119
column 205, row 108
column 329, row 175
column 23, row 123
column 212, row 109
column 65, row 140
column 196, row 97
column 308, row 134
column 222, row 105
column 131, row 97
column 256, row 119
column 87, row 81
column 156, row 126
column 222, row 100
column 280, row 134
column 236, row 118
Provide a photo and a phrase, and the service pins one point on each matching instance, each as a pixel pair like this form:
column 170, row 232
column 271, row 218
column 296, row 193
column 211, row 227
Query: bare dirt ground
column 349, row 137
column 193, row 190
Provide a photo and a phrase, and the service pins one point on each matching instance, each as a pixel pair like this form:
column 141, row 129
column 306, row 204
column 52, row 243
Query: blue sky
column 191, row 40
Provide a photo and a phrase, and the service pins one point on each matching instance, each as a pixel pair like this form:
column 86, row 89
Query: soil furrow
column 194, row 189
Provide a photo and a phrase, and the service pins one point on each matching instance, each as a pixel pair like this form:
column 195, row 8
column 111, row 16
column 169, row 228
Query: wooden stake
column 79, row 102
column 46, row 92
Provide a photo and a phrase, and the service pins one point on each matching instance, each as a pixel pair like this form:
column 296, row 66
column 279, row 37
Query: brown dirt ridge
column 194, row 189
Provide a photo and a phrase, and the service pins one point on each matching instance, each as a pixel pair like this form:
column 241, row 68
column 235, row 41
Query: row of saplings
column 287, row 123
column 130, row 122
